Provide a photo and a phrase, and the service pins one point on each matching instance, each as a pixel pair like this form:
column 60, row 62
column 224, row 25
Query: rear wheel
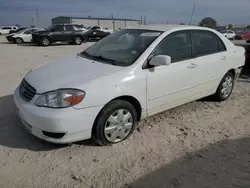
column 45, row 41
column 19, row 40
column 225, row 88
column 115, row 123
column 78, row 40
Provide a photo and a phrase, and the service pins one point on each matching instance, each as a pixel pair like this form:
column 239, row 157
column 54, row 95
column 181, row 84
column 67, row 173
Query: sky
column 23, row 12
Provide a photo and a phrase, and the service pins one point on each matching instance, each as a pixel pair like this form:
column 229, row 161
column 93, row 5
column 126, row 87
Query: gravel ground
column 200, row 144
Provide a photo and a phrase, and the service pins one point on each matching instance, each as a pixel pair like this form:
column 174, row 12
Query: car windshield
column 122, row 48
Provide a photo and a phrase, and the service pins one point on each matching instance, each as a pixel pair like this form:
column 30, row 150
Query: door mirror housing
column 160, row 60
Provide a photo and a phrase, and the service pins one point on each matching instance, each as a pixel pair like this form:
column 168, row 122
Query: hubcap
column 46, row 41
column 227, row 87
column 118, row 126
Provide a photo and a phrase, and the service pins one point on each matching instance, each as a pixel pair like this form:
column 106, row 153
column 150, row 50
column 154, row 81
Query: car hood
column 67, row 72
column 10, row 35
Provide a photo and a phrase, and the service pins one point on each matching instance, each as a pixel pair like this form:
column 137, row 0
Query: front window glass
column 122, row 48
column 176, row 45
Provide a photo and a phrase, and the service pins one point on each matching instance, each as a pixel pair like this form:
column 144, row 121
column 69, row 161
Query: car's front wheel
column 45, row 41
column 115, row 123
column 78, row 40
column 225, row 88
column 19, row 40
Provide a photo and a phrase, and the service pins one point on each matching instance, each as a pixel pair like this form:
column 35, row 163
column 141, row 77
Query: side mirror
column 160, row 60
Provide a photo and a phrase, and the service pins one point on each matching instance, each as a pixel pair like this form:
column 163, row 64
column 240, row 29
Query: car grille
column 27, row 92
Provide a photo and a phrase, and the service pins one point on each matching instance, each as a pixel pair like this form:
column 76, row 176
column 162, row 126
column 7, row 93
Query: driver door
column 175, row 84
column 58, row 33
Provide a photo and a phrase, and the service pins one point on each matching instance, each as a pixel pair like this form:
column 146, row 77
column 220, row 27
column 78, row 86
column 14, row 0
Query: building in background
column 106, row 23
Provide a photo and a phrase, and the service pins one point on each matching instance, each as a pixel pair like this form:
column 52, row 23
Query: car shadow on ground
column 14, row 135
column 225, row 164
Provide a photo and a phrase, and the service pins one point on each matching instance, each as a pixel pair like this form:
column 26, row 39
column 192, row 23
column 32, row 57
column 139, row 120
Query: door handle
column 192, row 65
column 223, row 58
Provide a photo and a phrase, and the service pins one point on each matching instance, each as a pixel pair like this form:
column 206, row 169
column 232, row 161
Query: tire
column 78, row 40
column 121, row 128
column 19, row 40
column 221, row 95
column 45, row 41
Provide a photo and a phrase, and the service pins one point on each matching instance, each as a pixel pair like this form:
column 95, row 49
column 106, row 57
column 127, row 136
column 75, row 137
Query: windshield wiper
column 111, row 61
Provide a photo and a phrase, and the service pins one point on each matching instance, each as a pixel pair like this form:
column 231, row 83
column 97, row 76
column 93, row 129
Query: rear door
column 211, row 56
column 69, row 32
column 57, row 34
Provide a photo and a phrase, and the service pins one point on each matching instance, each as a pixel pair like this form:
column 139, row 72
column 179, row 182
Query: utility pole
column 145, row 20
column 191, row 19
column 112, row 16
column 37, row 17
column 141, row 20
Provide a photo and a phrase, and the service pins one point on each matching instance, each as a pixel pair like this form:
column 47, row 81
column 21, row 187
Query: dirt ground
column 201, row 144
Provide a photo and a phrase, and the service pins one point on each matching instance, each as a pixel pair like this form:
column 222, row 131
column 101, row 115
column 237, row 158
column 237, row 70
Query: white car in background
column 23, row 35
column 6, row 29
column 229, row 34
column 102, row 92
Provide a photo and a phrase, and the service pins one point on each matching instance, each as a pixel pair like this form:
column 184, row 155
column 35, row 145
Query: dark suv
column 64, row 32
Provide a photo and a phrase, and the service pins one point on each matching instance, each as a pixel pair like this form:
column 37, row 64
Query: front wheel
column 115, row 123
column 225, row 88
column 19, row 40
column 45, row 41
column 78, row 40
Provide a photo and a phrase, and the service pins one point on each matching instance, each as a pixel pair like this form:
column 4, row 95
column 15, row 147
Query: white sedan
column 22, row 36
column 102, row 92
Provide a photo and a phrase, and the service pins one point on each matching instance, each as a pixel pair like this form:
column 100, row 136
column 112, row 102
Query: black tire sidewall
column 218, row 93
column 98, row 128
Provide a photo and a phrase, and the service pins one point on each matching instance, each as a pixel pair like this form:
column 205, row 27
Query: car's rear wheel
column 78, row 40
column 115, row 123
column 225, row 88
column 19, row 40
column 45, row 41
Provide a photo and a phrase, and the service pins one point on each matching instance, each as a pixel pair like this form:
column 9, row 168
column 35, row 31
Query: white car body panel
column 157, row 89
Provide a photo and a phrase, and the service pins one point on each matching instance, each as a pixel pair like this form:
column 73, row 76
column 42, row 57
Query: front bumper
column 75, row 124
column 10, row 39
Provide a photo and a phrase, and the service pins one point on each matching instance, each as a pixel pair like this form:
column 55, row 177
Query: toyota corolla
column 102, row 92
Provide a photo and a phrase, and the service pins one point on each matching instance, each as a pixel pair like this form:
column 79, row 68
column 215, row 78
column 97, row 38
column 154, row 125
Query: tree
column 208, row 22
column 230, row 26
column 248, row 27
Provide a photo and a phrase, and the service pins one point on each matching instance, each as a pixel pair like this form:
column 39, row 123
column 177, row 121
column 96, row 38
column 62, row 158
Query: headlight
column 61, row 98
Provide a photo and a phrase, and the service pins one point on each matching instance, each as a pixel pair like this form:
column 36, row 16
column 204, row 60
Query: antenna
column 192, row 15
column 37, row 17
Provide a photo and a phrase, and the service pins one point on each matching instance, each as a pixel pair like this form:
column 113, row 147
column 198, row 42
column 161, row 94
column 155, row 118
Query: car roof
column 165, row 27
